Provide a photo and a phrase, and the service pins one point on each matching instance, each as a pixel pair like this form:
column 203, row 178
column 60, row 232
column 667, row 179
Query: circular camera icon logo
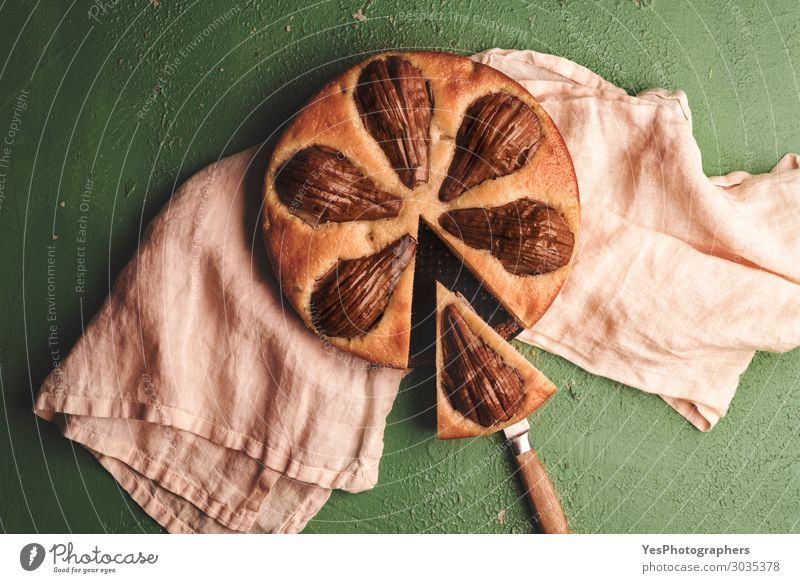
column 31, row 556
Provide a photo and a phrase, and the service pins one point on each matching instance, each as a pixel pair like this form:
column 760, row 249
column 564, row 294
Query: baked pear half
column 482, row 383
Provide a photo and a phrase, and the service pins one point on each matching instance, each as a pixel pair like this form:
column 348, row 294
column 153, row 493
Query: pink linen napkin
column 208, row 400
column 678, row 278
column 201, row 392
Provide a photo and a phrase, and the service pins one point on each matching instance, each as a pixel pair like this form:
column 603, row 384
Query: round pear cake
column 407, row 137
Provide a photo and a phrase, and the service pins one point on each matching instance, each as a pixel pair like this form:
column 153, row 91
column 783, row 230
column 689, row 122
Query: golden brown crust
column 300, row 254
column 450, row 423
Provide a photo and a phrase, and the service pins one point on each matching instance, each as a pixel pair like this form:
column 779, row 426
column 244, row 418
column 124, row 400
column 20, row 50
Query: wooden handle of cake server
column 541, row 494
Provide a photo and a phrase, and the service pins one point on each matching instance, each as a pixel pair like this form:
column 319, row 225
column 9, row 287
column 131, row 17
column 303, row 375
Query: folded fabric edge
column 241, row 517
column 702, row 415
column 692, row 413
column 787, row 163
column 132, row 482
column 158, row 503
column 286, row 488
column 569, row 70
column 298, row 521
column 584, row 83
column 49, row 405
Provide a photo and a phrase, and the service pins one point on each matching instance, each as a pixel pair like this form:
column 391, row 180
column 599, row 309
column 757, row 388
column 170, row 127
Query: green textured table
column 106, row 106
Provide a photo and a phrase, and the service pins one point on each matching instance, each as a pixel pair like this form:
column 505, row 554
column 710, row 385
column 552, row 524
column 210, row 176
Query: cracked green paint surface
column 132, row 99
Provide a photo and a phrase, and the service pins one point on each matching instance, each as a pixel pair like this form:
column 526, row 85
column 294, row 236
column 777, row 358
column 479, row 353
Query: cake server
column 434, row 261
column 538, row 488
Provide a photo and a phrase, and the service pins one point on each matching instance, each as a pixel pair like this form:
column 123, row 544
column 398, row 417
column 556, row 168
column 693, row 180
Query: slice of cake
column 483, row 384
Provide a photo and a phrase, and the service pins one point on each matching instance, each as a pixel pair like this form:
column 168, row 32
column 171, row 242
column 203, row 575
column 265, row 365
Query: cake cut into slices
column 405, row 136
column 482, row 383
